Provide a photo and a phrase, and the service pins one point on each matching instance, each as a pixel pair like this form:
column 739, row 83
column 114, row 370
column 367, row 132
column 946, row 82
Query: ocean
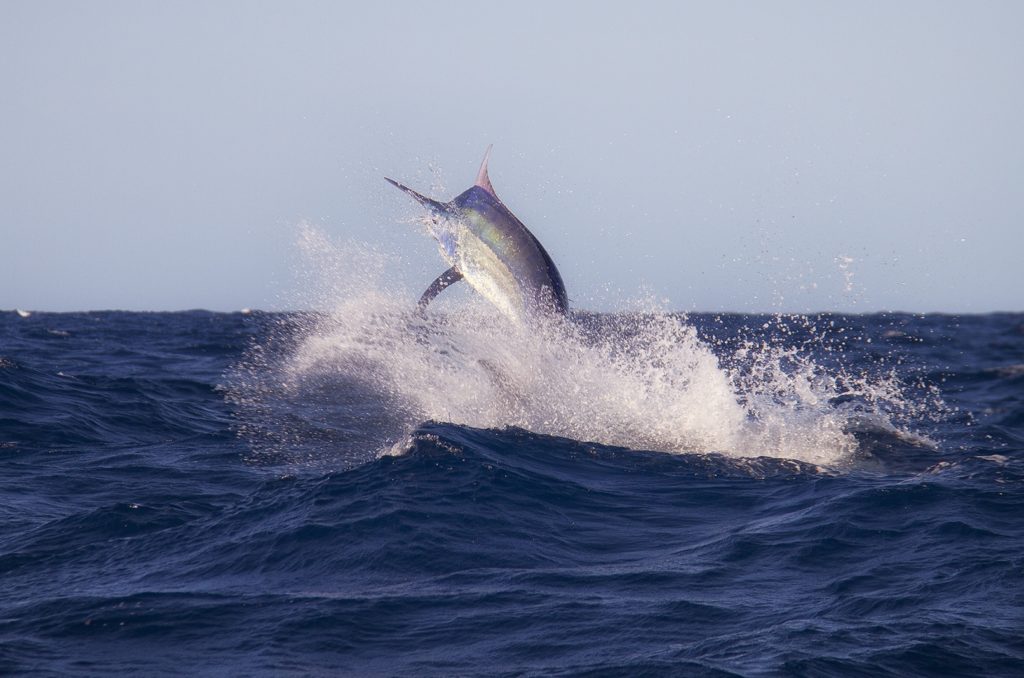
column 364, row 491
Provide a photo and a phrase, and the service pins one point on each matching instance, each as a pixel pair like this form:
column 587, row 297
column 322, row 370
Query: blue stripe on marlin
column 485, row 244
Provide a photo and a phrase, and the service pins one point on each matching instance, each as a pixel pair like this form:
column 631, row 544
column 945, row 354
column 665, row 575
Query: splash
column 367, row 369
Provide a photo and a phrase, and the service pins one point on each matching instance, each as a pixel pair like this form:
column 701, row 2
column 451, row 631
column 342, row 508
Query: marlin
column 485, row 244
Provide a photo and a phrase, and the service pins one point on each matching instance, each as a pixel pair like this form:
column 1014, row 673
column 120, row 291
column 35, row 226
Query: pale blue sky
column 726, row 156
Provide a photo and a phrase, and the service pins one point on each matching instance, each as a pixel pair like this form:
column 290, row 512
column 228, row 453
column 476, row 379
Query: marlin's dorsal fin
column 482, row 180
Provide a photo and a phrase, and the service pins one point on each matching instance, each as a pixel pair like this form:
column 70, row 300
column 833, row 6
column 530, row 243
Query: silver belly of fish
column 487, row 274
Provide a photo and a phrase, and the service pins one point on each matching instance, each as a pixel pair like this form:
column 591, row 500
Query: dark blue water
column 163, row 510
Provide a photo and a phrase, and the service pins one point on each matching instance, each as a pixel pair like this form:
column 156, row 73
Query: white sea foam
column 640, row 380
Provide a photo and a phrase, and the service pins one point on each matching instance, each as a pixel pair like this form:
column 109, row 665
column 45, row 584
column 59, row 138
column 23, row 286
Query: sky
column 718, row 156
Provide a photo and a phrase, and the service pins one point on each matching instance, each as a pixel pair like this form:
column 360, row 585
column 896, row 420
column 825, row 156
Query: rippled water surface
column 371, row 492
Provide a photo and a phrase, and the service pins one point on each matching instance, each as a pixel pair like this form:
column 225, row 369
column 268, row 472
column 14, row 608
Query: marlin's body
column 486, row 244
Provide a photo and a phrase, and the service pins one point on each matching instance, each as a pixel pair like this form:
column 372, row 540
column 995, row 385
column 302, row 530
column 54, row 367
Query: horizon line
column 28, row 312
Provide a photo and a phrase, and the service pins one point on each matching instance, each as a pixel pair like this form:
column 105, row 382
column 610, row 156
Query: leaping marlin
column 488, row 246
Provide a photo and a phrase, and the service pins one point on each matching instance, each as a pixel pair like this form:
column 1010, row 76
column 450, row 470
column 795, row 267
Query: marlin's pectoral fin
column 444, row 280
